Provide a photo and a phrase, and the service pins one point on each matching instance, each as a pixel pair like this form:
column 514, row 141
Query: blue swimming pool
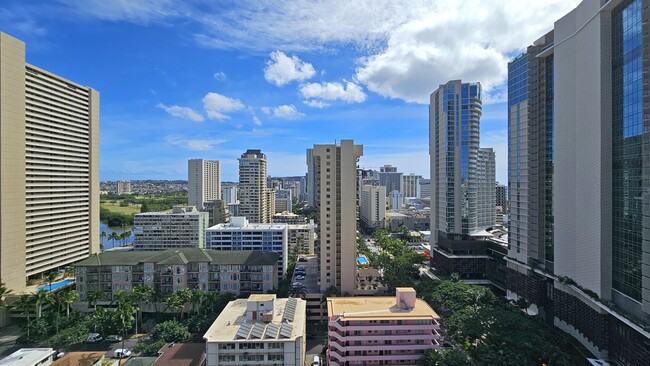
column 55, row 286
column 362, row 260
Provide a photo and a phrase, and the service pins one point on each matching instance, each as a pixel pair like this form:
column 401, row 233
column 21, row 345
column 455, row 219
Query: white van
column 93, row 338
column 121, row 353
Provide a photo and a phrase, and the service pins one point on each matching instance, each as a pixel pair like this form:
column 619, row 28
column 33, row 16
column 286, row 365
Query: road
column 312, row 273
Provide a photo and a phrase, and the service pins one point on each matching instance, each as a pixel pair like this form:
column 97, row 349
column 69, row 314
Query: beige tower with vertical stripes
column 49, row 169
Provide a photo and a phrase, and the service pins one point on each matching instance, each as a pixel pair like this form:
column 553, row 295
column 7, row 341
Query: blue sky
column 187, row 79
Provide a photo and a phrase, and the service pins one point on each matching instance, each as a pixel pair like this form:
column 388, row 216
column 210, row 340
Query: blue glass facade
column 627, row 148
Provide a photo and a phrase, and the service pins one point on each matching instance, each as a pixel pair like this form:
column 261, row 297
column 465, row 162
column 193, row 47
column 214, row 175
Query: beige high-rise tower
column 49, row 169
column 256, row 202
column 203, row 182
column 335, row 179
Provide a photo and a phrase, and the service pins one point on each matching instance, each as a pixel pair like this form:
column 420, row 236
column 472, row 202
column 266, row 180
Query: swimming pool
column 362, row 260
column 55, row 286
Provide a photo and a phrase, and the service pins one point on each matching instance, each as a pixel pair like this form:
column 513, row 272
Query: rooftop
column 79, row 359
column 181, row 354
column 179, row 256
column 248, row 227
column 288, row 322
column 27, row 356
column 376, row 307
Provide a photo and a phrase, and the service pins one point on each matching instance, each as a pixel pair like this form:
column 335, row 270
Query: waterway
column 108, row 230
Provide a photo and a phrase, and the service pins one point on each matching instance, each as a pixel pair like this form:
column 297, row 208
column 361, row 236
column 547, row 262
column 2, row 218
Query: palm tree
column 24, row 305
column 50, row 278
column 68, row 298
column 40, row 298
column 175, row 303
column 197, row 300
column 298, row 291
column 124, row 312
column 94, row 297
column 139, row 294
column 114, row 237
column 101, row 237
column 156, row 298
column 55, row 300
column 4, row 291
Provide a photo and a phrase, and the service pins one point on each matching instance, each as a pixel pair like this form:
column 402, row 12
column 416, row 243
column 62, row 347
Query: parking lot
column 107, row 347
column 310, row 281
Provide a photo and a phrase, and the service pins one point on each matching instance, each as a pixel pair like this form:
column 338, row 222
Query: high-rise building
column 203, row 182
column 501, row 195
column 311, row 179
column 486, row 179
column 49, row 169
column 283, row 200
column 256, row 201
column 425, row 188
column 390, row 178
column 123, row 187
column 184, row 227
column 240, row 234
column 372, row 207
column 396, row 200
column 336, row 191
column 578, row 187
column 229, row 194
column 411, row 185
column 454, row 118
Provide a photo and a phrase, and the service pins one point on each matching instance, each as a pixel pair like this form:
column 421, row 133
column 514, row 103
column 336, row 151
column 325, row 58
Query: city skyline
column 181, row 86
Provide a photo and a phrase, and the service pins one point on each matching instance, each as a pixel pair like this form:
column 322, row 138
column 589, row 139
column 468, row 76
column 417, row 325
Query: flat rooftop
column 27, row 356
column 249, row 227
column 376, row 307
column 288, row 322
column 181, row 354
column 79, row 359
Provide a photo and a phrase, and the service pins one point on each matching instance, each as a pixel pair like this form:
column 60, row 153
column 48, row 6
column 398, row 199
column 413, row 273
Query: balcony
column 342, row 349
column 383, row 337
column 334, row 325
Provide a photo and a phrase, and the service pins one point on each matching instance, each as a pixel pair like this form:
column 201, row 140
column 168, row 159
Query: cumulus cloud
column 194, row 144
column 282, row 69
column 316, row 104
column 220, row 76
column 181, row 112
column 283, row 112
column 217, row 105
column 348, row 92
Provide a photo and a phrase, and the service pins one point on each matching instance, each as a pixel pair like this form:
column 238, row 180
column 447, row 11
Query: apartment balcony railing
column 382, row 327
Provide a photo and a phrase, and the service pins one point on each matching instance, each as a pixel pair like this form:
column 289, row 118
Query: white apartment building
column 184, row 227
column 302, row 236
column 203, row 182
column 239, row 234
column 260, row 330
column 336, row 195
column 256, row 202
column 396, row 200
column 49, row 180
column 411, row 185
column 372, row 206
column 123, row 187
column 229, row 194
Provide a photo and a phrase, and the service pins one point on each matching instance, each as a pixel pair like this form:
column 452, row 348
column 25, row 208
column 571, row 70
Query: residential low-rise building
column 184, row 227
column 260, row 330
column 302, row 236
column 237, row 272
column 29, row 357
column 380, row 330
column 288, row 218
column 239, row 234
column 412, row 219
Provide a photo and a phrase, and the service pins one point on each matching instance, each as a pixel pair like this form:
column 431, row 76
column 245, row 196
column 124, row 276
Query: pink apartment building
column 385, row 330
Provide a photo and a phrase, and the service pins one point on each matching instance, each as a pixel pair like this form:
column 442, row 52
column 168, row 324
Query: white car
column 93, row 338
column 316, row 361
column 300, row 277
column 121, row 353
column 296, row 284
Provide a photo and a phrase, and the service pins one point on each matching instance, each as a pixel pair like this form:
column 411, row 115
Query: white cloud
column 181, row 112
column 350, row 92
column 220, row 76
column 282, row 69
column 257, row 121
column 194, row 144
column 283, row 112
column 217, row 105
column 134, row 11
column 316, row 103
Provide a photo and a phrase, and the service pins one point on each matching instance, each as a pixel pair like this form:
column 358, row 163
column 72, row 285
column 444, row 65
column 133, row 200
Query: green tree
column 50, row 278
column 445, row 357
column 141, row 294
column 40, row 299
column 144, row 207
column 24, row 305
column 175, row 303
column 4, row 292
column 171, row 331
column 298, row 291
column 94, row 297
column 198, row 296
column 67, row 298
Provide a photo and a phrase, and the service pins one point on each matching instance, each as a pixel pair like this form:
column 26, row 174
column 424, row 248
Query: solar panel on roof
column 290, row 309
column 285, row 330
column 257, row 331
column 243, row 331
column 272, row 331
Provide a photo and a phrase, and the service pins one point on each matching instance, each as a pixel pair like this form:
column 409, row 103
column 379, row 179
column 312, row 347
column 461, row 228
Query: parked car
column 296, row 284
column 93, row 338
column 300, row 268
column 316, row 361
column 302, row 259
column 300, row 277
column 121, row 353
column 114, row 338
